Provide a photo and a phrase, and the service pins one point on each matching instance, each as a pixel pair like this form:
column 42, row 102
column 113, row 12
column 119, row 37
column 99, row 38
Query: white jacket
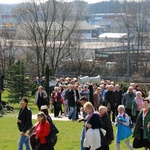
column 93, row 139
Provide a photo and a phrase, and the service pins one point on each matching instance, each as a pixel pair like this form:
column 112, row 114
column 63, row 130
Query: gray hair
column 138, row 92
column 102, row 107
column 122, row 107
column 56, row 88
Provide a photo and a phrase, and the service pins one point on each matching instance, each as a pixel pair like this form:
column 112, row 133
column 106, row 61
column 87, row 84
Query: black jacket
column 118, row 97
column 69, row 95
column 110, row 98
column 95, row 121
column 107, row 125
column 25, row 116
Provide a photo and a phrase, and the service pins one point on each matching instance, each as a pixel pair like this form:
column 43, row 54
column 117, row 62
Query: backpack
column 130, row 121
column 51, row 139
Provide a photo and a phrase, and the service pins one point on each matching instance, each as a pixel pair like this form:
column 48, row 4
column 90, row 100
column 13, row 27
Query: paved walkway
column 60, row 118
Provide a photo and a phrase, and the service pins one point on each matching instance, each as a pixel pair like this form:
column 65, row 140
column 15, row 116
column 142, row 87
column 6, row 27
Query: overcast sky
column 18, row 1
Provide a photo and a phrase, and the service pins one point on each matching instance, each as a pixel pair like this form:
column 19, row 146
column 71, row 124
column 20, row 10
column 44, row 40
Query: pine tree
column 18, row 83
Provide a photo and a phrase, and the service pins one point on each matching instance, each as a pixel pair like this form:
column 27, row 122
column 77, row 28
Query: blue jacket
column 123, row 131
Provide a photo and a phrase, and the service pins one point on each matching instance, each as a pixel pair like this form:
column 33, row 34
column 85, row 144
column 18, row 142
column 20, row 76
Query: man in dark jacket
column 70, row 96
column 24, row 124
column 118, row 97
column 111, row 102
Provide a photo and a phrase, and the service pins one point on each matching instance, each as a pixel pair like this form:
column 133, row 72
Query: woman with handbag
column 142, row 127
column 123, row 128
column 42, row 131
column 52, row 138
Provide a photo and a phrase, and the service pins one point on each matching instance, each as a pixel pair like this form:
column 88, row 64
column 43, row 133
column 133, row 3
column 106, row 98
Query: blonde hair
column 88, row 105
column 102, row 107
column 40, row 87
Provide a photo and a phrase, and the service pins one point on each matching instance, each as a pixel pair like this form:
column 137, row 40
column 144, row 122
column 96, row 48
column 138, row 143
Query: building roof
column 68, row 25
column 113, row 35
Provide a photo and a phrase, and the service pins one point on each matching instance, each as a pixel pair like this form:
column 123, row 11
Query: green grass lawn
column 68, row 137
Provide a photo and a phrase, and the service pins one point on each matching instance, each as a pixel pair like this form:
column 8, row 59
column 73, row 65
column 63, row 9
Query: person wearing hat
column 24, row 123
column 141, row 132
column 44, row 109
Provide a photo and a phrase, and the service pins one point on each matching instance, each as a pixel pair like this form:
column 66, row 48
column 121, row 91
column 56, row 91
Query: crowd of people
column 100, row 106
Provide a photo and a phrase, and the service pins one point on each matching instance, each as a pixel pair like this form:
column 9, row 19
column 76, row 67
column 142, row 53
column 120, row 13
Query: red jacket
column 58, row 97
column 42, row 131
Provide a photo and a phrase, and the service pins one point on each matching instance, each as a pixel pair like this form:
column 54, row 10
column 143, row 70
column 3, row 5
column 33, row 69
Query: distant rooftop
column 113, row 35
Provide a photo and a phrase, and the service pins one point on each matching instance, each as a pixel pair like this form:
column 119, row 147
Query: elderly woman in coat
column 107, row 125
column 40, row 97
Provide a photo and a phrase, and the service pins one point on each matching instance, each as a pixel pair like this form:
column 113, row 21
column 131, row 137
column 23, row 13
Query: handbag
column 137, row 143
column 149, row 135
column 51, row 139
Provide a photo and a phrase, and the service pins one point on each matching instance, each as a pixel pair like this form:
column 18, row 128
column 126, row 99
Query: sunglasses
column 21, row 102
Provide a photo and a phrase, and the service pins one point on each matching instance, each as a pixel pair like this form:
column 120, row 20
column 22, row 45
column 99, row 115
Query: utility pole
column 128, row 54
column 1, row 86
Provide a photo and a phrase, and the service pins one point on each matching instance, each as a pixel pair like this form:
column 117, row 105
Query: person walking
column 40, row 97
column 70, row 97
column 111, row 102
column 107, row 126
column 92, row 127
column 97, row 98
column 123, row 129
column 42, row 131
column 137, row 105
column 24, row 123
column 83, row 100
column 127, row 102
column 118, row 96
column 141, row 131
column 56, row 101
column 65, row 102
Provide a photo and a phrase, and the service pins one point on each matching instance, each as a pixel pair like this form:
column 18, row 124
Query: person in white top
column 123, row 130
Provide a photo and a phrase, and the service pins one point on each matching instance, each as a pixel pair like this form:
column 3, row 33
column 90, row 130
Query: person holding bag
column 52, row 137
column 141, row 132
column 42, row 131
column 123, row 128
column 92, row 127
